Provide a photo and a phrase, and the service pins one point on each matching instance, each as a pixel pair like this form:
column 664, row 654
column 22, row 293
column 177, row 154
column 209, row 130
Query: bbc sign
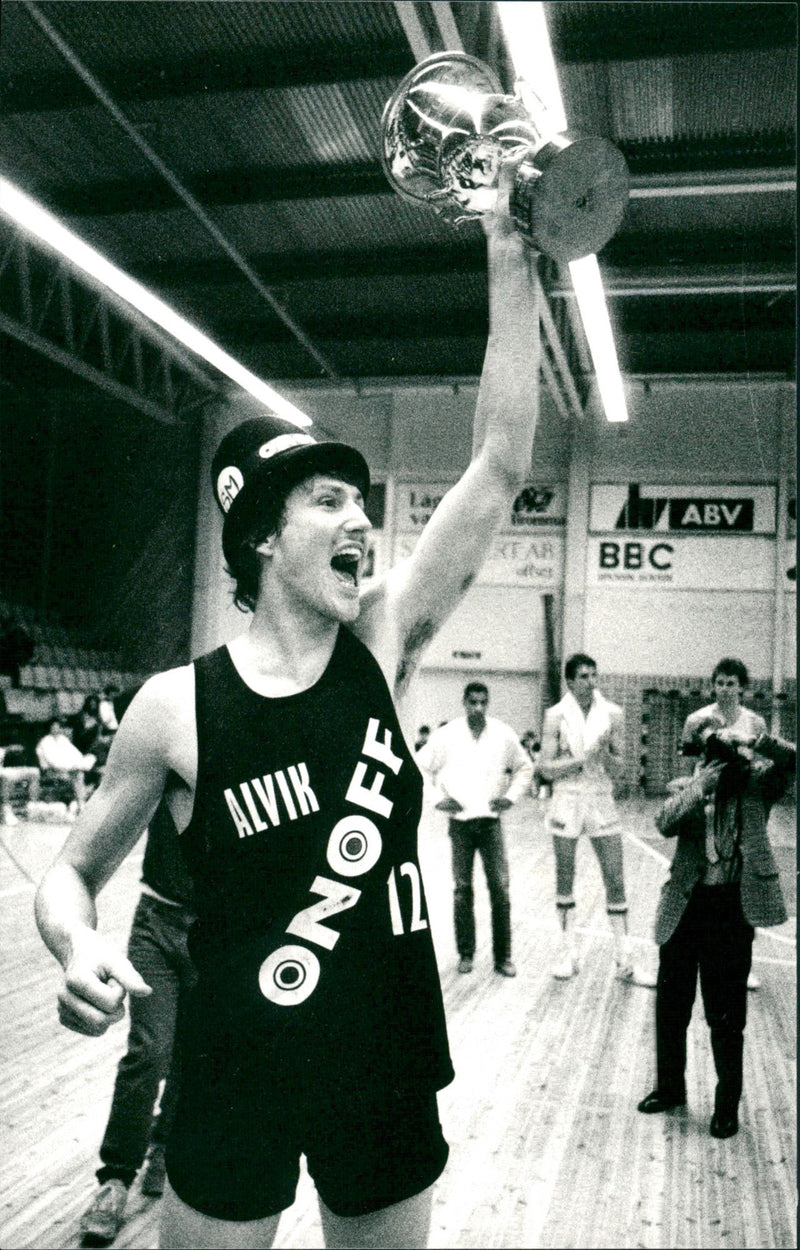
column 621, row 562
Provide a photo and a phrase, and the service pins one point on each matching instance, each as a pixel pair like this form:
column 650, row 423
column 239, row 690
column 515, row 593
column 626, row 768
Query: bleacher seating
column 62, row 671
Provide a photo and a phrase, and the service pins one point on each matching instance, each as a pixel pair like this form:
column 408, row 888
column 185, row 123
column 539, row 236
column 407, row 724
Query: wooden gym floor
column 547, row 1148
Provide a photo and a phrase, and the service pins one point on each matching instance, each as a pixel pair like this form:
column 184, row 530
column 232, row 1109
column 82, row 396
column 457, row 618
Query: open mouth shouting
column 346, row 564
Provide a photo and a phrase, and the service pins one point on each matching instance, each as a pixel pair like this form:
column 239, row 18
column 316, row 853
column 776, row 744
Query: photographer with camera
column 722, row 884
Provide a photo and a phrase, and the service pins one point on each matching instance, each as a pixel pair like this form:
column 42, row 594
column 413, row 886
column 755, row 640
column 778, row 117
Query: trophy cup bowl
column 446, row 131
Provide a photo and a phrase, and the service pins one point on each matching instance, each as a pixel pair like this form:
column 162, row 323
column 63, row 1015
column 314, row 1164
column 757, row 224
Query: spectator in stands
column 16, row 648
column 108, row 717
column 15, row 772
column 89, row 735
column 60, row 760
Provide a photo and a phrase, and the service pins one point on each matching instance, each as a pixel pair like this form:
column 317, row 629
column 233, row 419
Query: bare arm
column 551, row 766
column 96, row 974
column 610, row 747
column 422, row 591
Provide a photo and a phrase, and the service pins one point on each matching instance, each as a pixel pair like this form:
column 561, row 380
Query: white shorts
column 572, row 813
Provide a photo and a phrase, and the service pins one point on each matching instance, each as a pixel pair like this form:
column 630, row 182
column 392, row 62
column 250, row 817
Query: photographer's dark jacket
column 683, row 815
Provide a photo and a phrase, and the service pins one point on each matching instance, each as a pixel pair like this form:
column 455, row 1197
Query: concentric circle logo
column 354, row 846
column 289, row 975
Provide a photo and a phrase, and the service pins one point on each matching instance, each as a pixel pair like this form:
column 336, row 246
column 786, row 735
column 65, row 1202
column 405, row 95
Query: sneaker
column 465, row 964
column 155, row 1173
column 101, row 1222
column 633, row 975
column 9, row 815
column 753, row 982
column 506, row 968
column 565, row 968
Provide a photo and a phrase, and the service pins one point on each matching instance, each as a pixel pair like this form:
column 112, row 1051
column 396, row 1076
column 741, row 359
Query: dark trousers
column 158, row 951
column 714, row 937
column 484, row 835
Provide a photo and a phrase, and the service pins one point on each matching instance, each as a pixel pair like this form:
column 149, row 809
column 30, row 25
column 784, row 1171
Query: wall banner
column 535, row 560
column 537, row 506
column 705, row 509
column 415, row 503
column 620, row 562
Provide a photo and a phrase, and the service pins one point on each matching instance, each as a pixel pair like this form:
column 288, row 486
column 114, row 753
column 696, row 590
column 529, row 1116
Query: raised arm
column 422, row 591
column 96, row 974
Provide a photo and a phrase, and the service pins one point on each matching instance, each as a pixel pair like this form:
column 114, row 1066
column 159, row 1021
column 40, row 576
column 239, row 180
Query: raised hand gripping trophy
column 448, row 128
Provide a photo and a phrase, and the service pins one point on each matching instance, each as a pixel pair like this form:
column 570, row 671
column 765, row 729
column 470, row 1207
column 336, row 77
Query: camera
column 715, row 751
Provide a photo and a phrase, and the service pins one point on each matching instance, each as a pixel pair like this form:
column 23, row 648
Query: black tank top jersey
column 313, row 941
column 163, row 866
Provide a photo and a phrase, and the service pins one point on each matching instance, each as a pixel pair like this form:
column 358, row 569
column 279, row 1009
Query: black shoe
column 724, row 1124
column 506, row 968
column 657, row 1101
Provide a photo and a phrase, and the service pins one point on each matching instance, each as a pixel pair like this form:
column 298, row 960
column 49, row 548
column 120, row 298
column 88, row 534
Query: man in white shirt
column 581, row 755
column 59, row 758
column 730, row 679
column 478, row 769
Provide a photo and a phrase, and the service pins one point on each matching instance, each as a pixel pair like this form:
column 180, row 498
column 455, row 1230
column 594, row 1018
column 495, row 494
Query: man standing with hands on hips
column 478, row 765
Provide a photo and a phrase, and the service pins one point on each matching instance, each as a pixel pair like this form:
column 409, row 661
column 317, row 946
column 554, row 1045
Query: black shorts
column 237, row 1158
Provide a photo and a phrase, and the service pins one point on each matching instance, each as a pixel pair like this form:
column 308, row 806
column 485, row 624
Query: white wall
column 682, row 431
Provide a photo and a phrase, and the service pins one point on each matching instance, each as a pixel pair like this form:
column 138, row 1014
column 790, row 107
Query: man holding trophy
column 330, row 1042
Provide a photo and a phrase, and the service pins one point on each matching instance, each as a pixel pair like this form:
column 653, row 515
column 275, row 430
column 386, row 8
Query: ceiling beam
column 580, row 33
column 688, row 280
column 632, row 32
column 251, row 69
column 257, row 185
column 181, row 192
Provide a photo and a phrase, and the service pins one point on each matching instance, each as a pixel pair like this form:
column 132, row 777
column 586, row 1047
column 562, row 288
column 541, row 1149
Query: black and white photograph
column 398, row 631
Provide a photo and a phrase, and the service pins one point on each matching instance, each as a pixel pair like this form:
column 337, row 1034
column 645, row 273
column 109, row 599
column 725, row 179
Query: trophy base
column 569, row 197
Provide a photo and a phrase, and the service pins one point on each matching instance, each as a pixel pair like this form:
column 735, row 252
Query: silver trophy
column 448, row 128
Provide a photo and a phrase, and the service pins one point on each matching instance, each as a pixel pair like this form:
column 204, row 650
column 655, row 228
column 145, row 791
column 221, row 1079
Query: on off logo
column 684, row 514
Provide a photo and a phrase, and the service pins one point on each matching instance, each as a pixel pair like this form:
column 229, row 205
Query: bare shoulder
column 170, row 694
column 161, row 718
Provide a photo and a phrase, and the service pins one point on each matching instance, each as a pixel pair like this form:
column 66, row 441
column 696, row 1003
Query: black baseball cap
column 263, row 459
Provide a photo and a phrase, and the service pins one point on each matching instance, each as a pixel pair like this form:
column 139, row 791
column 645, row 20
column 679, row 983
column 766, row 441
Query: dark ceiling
column 231, row 163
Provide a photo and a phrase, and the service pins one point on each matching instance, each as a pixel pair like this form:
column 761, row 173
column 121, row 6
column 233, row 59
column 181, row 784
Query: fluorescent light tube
column 591, row 300
column 528, row 43
column 37, row 221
